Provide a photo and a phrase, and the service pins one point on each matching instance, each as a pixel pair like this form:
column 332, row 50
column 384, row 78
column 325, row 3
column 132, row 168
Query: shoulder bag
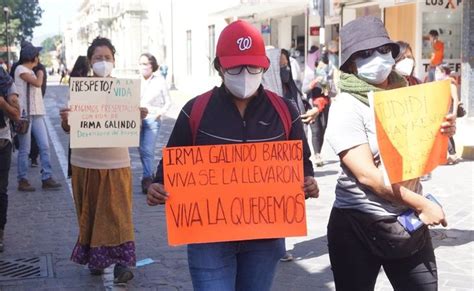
column 21, row 126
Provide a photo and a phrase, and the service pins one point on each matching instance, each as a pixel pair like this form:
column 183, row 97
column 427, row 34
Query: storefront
column 411, row 20
column 445, row 17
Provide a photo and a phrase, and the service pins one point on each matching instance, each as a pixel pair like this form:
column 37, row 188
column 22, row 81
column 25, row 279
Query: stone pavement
column 43, row 223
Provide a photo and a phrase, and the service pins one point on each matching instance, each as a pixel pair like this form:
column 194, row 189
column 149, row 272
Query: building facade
column 183, row 34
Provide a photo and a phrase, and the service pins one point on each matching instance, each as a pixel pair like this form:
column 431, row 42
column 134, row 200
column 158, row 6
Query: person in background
column 9, row 110
column 443, row 72
column 80, row 69
column 249, row 264
column 27, row 82
column 278, row 78
column 437, row 54
column 295, row 69
column 405, row 63
column 156, row 98
column 316, row 86
column 102, row 189
column 163, row 70
column 63, row 72
column 363, row 231
column 333, row 54
column 34, row 150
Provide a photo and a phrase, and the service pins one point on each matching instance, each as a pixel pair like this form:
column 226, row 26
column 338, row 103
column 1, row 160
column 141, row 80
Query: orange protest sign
column 408, row 122
column 234, row 192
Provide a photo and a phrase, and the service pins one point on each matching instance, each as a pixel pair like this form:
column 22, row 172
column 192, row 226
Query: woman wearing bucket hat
column 363, row 231
column 239, row 111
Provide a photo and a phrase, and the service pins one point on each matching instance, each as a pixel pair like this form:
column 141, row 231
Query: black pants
column 355, row 268
column 5, row 161
column 318, row 128
column 34, row 149
column 451, row 146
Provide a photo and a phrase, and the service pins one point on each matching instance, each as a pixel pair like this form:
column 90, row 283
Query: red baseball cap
column 241, row 44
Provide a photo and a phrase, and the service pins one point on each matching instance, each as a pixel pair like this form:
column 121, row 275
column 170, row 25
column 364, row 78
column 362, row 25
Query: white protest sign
column 104, row 112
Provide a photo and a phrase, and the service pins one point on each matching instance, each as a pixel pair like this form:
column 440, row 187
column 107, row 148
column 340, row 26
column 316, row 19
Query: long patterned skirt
column 103, row 199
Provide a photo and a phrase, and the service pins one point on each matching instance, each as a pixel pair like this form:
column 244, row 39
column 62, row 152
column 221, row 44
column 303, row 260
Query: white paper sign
column 104, row 112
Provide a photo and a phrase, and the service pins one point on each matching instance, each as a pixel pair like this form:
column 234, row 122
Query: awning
column 263, row 10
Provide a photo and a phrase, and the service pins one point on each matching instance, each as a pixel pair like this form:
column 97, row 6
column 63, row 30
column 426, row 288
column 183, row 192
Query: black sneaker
column 34, row 163
column 122, row 274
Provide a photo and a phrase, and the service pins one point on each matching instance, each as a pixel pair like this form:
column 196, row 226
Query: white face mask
column 244, row 84
column 405, row 66
column 146, row 71
column 439, row 76
column 103, row 68
column 376, row 68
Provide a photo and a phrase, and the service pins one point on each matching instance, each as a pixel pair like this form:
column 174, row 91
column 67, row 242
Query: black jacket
column 222, row 123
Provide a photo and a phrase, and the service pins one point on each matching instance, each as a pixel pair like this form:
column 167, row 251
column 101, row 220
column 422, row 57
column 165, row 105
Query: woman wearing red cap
column 239, row 111
column 363, row 231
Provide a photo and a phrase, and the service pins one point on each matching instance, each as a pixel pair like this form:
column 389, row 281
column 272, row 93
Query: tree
column 28, row 12
column 49, row 44
column 24, row 16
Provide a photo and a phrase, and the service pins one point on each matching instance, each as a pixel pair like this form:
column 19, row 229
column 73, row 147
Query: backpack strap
column 282, row 110
column 202, row 100
column 197, row 111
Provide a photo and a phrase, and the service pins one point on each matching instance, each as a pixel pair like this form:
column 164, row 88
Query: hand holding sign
column 310, row 187
column 156, row 194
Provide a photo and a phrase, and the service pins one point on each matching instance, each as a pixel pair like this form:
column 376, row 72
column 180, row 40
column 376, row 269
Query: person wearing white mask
column 155, row 97
column 239, row 111
column 405, row 63
column 363, row 231
column 405, row 66
column 102, row 189
column 443, row 72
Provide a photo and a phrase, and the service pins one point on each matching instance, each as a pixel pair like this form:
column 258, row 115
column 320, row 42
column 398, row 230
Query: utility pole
column 322, row 29
column 173, row 86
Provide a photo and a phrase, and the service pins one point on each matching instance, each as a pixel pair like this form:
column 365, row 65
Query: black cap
column 364, row 33
column 29, row 51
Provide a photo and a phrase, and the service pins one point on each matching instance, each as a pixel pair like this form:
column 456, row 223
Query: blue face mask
column 376, row 68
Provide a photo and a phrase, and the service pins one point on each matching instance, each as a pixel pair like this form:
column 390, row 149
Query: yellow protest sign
column 104, row 112
column 408, row 122
column 234, row 192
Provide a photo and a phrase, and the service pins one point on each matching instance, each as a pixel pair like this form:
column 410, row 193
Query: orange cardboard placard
column 234, row 192
column 408, row 122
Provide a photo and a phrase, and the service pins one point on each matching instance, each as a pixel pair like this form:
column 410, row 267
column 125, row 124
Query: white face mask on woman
column 376, row 68
column 405, row 66
column 103, row 68
column 244, row 84
column 146, row 71
column 439, row 76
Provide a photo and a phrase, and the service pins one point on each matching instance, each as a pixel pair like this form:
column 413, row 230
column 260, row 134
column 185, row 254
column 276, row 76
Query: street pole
column 6, row 11
column 173, row 86
column 322, row 29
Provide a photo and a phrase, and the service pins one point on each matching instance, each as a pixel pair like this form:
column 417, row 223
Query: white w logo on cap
column 244, row 43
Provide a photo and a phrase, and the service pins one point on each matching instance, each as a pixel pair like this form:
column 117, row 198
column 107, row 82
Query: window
column 189, row 60
column 212, row 49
